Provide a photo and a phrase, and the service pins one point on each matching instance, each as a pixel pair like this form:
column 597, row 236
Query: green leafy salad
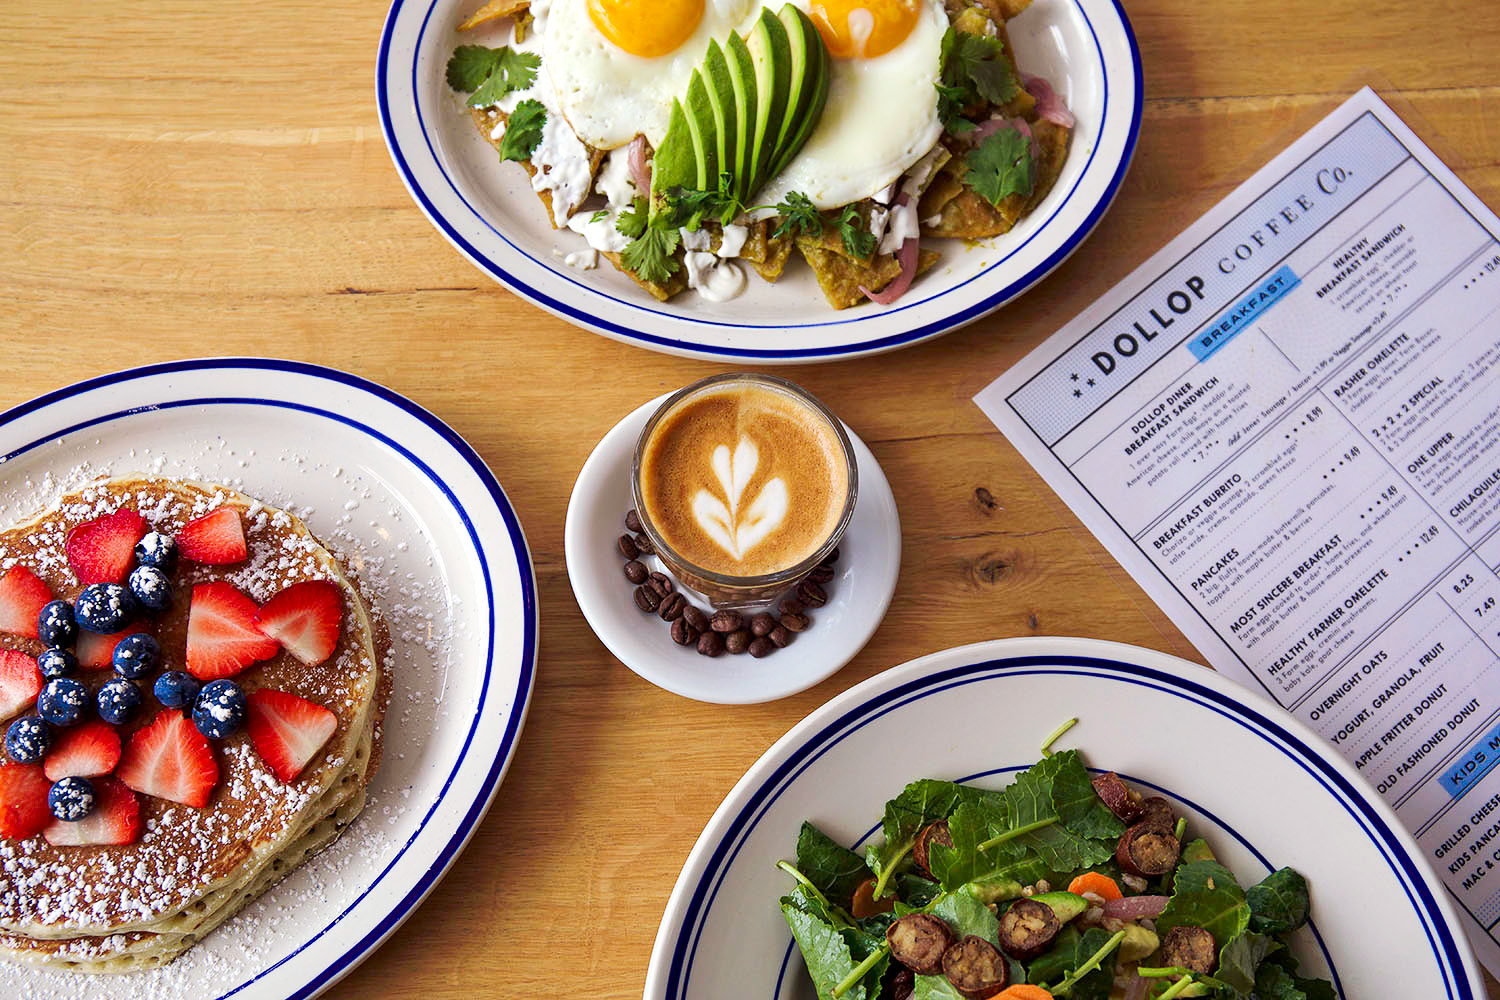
column 1061, row 885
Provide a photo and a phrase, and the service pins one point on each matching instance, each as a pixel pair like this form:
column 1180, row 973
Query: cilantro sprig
column 490, row 73
column 858, row 240
column 798, row 216
column 1001, row 166
column 524, row 130
column 975, row 70
column 652, row 254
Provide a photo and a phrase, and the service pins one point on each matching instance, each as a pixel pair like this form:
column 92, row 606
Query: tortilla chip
column 493, row 11
column 999, row 10
column 778, row 252
column 485, row 120
column 840, row 276
column 662, row 291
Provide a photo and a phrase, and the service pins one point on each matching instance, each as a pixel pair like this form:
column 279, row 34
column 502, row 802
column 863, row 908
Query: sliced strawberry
column 20, row 682
column 222, row 638
column 305, row 618
column 96, row 651
column 102, row 550
column 116, row 818
column 23, row 801
column 216, row 538
column 85, row 751
column 170, row 759
column 22, row 597
column 288, row 731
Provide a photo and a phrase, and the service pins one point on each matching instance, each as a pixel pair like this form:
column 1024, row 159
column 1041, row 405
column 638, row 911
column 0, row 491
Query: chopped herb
column 798, row 215
column 524, row 130
column 687, row 207
column 1002, row 166
column 600, row 215
column 632, row 221
column 975, row 70
column 857, row 240
column 652, row 254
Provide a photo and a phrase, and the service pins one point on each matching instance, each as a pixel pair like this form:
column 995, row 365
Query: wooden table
column 185, row 179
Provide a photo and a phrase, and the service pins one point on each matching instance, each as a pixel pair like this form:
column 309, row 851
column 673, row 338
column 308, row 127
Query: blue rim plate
column 1256, row 783
column 486, row 209
column 422, row 520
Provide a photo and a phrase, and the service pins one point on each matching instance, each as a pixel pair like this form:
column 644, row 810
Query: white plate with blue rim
column 487, row 210
column 415, row 513
column 1259, row 786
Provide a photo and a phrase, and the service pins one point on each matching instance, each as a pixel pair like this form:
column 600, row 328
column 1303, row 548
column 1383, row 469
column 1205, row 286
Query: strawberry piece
column 222, row 638
column 23, row 801
column 288, row 731
column 22, row 597
column 96, row 651
column 85, row 751
column 103, row 550
column 216, row 538
column 170, row 759
column 20, row 682
column 116, row 819
column 305, row 618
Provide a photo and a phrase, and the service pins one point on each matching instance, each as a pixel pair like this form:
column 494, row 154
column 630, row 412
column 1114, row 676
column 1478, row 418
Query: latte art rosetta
column 722, row 520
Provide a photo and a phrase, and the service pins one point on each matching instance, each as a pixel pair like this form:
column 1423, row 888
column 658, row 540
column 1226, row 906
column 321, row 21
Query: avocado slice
column 808, row 88
column 771, row 52
column 675, row 163
column 1066, row 905
column 703, row 130
column 1197, row 850
column 1137, row 943
column 994, row 892
column 742, row 80
column 721, row 100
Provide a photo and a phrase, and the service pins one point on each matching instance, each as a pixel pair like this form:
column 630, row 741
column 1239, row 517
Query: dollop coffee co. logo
column 738, row 531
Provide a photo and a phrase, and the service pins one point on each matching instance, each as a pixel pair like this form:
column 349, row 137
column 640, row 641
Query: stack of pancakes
column 119, row 909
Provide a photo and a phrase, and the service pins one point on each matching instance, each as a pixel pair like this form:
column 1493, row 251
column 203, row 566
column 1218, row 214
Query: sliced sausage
column 899, row 985
column 932, row 833
column 975, row 968
column 1190, row 948
column 918, row 941
column 1148, row 849
column 1159, row 811
column 1027, row 929
column 1120, row 798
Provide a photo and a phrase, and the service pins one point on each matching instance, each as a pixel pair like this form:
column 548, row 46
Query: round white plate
column 414, row 511
column 869, row 563
column 1258, row 785
column 487, row 209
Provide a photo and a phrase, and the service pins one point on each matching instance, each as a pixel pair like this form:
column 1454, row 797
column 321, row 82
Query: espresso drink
column 743, row 479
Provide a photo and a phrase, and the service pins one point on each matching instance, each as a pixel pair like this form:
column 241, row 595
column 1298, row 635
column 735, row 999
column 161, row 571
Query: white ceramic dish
column 1260, row 786
column 487, row 210
column 869, row 563
column 419, row 517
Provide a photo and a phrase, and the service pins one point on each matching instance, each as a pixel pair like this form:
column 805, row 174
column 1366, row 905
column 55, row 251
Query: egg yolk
column 864, row 29
column 646, row 28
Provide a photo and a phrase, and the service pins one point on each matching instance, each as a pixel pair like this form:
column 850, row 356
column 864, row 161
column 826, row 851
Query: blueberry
column 71, row 799
column 177, row 689
column 105, row 608
column 55, row 625
column 151, row 588
column 220, row 709
column 157, row 550
column 136, row 655
column 56, row 662
column 27, row 740
column 118, row 699
column 62, row 701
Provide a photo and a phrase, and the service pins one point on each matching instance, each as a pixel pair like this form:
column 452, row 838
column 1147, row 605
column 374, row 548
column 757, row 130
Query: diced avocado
column 1137, row 943
column 771, row 54
column 721, row 98
column 808, row 90
column 993, row 892
column 702, row 127
column 1197, row 850
column 675, row 164
column 1066, row 905
column 742, row 78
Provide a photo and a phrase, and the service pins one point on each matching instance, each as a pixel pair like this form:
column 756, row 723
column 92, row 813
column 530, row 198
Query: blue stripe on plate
column 1444, row 947
column 343, row 963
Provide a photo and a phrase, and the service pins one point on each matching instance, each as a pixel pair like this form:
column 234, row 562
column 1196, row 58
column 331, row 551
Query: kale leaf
column 921, row 802
column 1240, row 958
column 1070, row 951
column 1001, row 166
column 965, row 915
column 1279, row 903
column 1277, row 979
column 524, row 130
column 833, row 868
column 1205, row 894
column 831, row 954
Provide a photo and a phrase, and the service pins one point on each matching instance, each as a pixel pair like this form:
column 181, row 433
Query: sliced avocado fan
column 749, row 110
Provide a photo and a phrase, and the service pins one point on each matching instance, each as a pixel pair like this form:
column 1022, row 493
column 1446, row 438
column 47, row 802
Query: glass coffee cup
column 743, row 484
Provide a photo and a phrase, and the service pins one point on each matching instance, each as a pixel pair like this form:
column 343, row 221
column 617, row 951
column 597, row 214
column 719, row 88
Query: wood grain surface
column 182, row 179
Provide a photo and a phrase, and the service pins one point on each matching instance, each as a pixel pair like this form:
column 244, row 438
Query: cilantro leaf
column 975, row 70
column 687, row 207
column 833, row 868
column 1279, row 903
column 471, row 65
column 632, row 221
column 857, row 240
column 512, row 71
column 1002, row 166
column 651, row 255
column 799, row 215
column 524, row 130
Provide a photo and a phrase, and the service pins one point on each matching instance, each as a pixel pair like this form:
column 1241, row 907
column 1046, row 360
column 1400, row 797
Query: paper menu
column 1286, row 425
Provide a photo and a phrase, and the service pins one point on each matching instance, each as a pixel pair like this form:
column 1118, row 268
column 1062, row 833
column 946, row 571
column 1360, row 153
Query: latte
column 744, row 477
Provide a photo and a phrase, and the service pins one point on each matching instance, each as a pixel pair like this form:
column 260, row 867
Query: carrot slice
column 1023, row 991
column 1098, row 883
column 864, row 903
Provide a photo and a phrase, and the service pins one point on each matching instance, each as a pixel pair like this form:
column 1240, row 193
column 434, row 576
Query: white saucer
column 858, row 596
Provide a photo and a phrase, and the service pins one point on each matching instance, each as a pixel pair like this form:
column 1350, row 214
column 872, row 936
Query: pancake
column 117, row 908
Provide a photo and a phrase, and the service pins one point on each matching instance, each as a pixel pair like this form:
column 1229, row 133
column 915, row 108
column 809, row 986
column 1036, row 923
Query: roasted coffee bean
column 791, row 606
column 795, row 621
column 762, row 624
column 671, row 607
column 737, row 641
column 812, row 595
column 662, row 584
column 780, row 636
column 633, row 523
column 647, row 599
column 821, row 575
column 710, row 644
column 635, row 571
column 644, row 544
column 761, row 647
column 726, row 621
column 828, row 560
column 628, row 548
column 694, row 616
column 682, row 633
